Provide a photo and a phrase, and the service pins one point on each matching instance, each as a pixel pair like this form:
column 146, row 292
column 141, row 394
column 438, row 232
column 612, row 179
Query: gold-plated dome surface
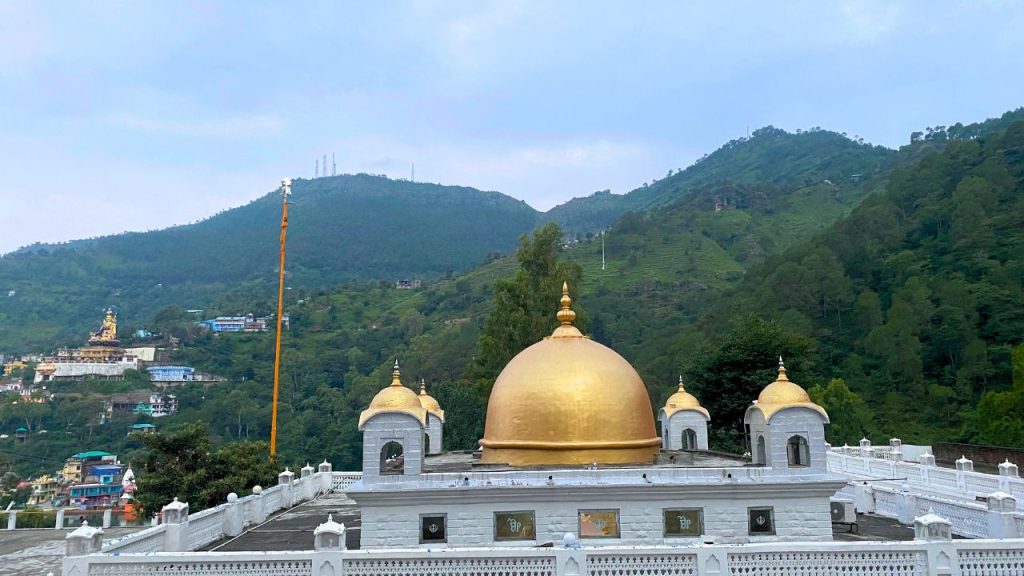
column 429, row 403
column 783, row 393
column 394, row 398
column 683, row 400
column 569, row 400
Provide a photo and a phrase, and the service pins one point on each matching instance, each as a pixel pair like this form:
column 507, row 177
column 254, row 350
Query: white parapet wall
column 913, row 558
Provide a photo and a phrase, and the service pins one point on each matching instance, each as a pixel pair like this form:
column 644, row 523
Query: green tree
column 525, row 306
column 849, row 416
column 728, row 374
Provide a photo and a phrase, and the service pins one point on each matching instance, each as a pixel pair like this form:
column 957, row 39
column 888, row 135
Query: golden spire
column 681, row 388
column 396, row 375
column 423, row 386
column 566, row 315
column 782, row 370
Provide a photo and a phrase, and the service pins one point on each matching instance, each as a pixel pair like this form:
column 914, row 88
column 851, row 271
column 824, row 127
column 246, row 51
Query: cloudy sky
column 138, row 115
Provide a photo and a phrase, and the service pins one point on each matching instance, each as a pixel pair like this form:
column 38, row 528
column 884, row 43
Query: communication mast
column 334, row 166
column 412, row 177
column 316, row 171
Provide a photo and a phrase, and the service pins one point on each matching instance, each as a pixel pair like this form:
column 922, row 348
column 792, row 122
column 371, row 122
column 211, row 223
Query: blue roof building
column 171, row 373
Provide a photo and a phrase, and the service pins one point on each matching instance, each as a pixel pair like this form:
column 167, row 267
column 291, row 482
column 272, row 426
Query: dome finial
column 566, row 315
column 396, row 375
column 423, row 386
column 782, row 369
column 681, row 388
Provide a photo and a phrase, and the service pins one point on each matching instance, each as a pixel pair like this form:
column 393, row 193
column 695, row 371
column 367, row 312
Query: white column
column 286, row 480
column 59, row 524
column 326, row 472
column 963, row 466
column 233, row 516
column 84, row 540
column 308, row 489
column 1002, row 509
column 176, row 533
column 108, row 515
column 12, row 519
column 1007, row 470
column 908, row 505
column 864, row 498
column 259, row 511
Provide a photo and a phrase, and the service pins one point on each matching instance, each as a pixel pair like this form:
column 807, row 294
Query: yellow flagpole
column 286, row 190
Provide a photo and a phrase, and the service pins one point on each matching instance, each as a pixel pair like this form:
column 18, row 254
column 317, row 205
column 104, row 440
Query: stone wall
column 989, row 456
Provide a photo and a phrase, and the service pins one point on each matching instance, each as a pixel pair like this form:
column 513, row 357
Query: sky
column 139, row 115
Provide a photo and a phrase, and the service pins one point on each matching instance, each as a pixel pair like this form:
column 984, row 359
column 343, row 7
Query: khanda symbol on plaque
column 514, row 525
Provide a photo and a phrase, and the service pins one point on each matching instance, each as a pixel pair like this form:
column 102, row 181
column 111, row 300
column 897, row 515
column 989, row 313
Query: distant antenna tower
column 334, row 166
column 412, row 177
column 316, row 171
column 325, row 164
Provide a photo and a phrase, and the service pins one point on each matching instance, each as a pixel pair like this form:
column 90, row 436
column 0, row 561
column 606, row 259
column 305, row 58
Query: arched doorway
column 689, row 439
column 392, row 459
column 798, row 452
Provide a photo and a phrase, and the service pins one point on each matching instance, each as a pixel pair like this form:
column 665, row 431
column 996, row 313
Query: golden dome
column 784, row 394
column 683, row 400
column 569, row 400
column 428, row 402
column 395, row 398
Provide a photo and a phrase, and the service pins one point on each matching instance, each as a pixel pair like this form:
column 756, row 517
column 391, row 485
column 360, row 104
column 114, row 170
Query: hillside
column 341, row 228
column 914, row 299
column 768, row 156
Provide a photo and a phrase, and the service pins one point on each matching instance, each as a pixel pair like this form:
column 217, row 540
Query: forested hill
column 914, row 299
column 768, row 156
column 341, row 228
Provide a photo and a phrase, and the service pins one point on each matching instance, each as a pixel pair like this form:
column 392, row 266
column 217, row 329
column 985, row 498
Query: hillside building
column 142, row 403
column 102, row 357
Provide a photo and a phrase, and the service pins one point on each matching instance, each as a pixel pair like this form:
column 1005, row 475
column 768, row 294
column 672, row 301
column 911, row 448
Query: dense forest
column 897, row 292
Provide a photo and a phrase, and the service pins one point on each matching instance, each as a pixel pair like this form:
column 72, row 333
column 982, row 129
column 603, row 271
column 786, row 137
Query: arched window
column 426, row 443
column 762, row 458
column 689, row 439
column 798, row 452
column 392, row 460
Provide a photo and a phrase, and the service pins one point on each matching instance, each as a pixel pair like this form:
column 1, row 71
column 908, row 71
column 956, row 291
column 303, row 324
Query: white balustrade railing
column 342, row 480
column 923, row 479
column 968, row 519
column 911, row 558
column 148, row 540
column 887, row 503
column 206, row 527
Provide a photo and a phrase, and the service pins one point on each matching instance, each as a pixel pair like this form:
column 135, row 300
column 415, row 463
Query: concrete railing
column 913, row 558
column 905, row 490
column 925, row 478
column 191, row 532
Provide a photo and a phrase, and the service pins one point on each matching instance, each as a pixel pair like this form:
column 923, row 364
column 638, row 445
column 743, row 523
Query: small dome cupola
column 395, row 398
column 429, row 403
column 684, row 422
column 783, row 393
column 683, row 400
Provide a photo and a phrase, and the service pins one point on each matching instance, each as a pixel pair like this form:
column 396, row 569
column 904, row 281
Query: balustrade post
column 936, row 537
column 259, row 511
column 326, row 476
column 12, row 519
column 864, row 498
column 308, row 490
column 84, row 540
column 59, row 524
column 175, row 517
column 108, row 516
column 710, row 561
column 1002, row 522
column 286, row 480
column 1007, row 470
column 865, row 448
column 233, row 516
column 908, row 505
column 329, row 536
column 963, row 466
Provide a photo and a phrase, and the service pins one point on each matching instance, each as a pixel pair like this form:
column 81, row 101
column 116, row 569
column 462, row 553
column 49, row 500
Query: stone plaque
column 515, row 526
column 599, row 523
column 684, row 522
column 433, row 528
column 761, row 521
